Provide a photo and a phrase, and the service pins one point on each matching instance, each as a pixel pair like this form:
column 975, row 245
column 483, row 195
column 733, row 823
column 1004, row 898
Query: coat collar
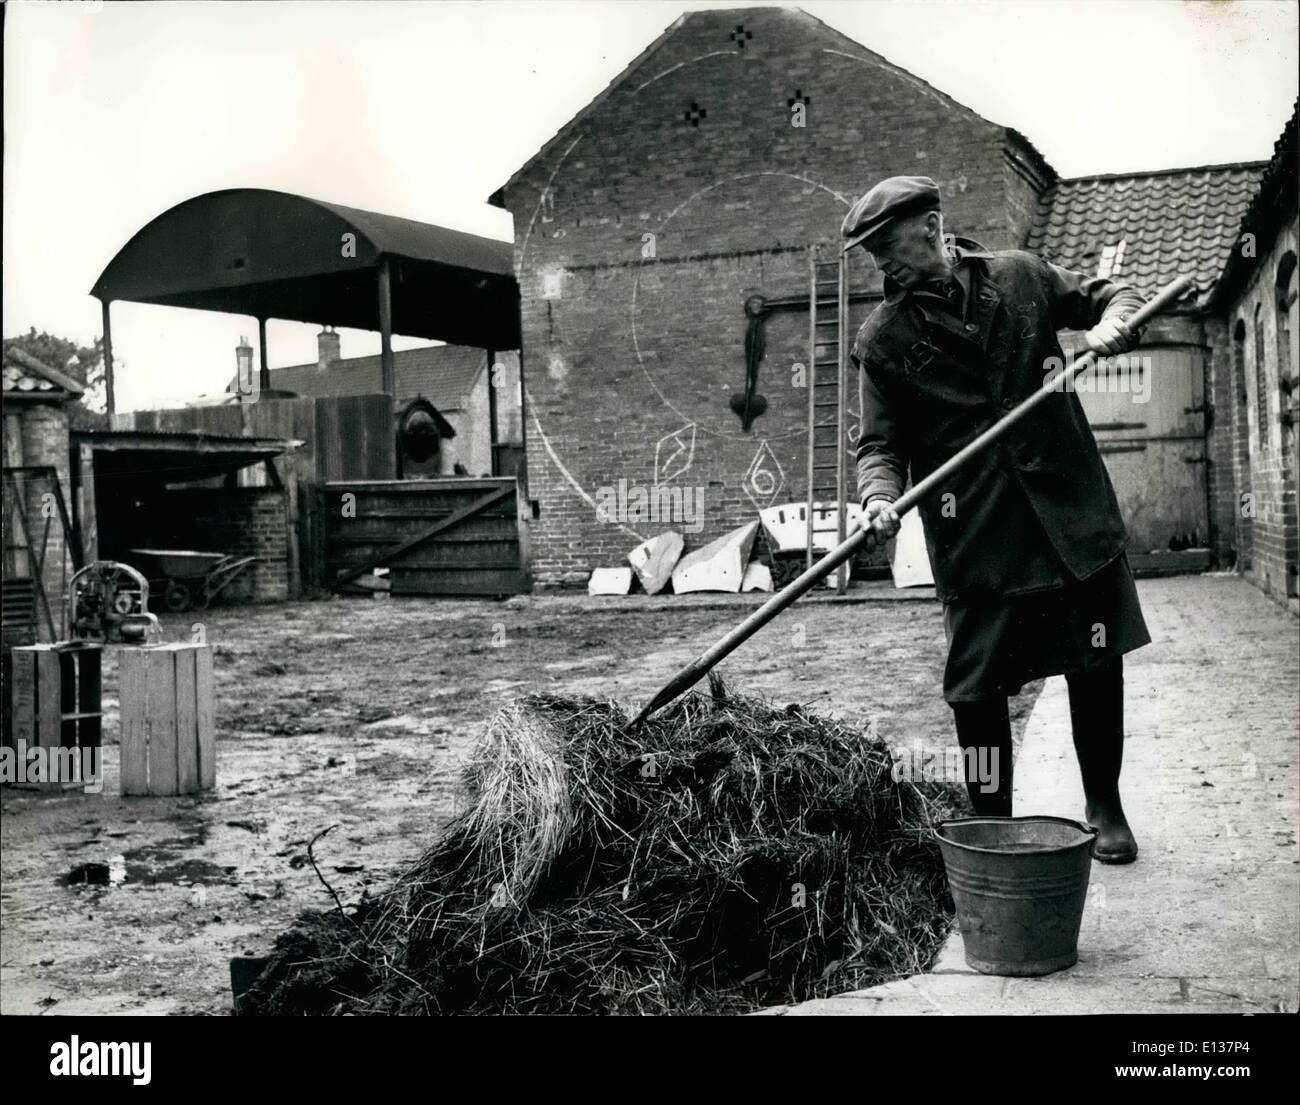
column 964, row 250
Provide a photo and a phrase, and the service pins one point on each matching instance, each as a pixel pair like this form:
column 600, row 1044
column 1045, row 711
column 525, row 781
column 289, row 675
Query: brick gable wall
column 695, row 146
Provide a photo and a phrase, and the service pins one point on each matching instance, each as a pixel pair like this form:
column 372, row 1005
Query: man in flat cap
column 1026, row 540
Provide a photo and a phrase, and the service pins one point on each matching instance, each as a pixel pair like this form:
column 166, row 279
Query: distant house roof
column 1274, row 201
column 1170, row 222
column 27, row 378
column 442, row 374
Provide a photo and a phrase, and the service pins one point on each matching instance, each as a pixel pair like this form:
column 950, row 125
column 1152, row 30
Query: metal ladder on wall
column 828, row 307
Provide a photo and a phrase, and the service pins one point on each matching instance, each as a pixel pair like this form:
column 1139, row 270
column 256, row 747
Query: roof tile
column 1175, row 222
column 22, row 374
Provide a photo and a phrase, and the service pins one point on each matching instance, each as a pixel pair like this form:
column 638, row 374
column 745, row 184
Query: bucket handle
column 1090, row 831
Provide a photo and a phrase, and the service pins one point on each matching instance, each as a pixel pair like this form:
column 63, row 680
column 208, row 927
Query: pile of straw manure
column 725, row 856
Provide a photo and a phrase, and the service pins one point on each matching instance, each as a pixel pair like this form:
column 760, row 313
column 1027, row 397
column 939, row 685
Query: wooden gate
column 1149, row 419
column 39, row 556
column 435, row 537
column 41, row 552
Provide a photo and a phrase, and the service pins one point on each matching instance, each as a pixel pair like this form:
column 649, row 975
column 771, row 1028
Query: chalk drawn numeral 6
column 764, row 478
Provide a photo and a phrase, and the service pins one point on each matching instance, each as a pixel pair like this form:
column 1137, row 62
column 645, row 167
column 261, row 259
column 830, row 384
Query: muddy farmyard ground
column 359, row 714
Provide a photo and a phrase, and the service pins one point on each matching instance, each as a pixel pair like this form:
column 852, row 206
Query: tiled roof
column 1274, row 202
column 24, row 374
column 17, row 379
column 443, row 374
column 1279, row 174
column 1171, row 222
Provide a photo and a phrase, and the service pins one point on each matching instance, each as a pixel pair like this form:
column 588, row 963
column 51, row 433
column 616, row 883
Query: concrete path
column 1208, row 918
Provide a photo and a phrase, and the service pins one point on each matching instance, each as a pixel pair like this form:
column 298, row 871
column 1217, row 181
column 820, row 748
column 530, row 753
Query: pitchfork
column 696, row 669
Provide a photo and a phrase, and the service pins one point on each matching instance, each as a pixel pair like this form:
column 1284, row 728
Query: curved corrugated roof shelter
column 269, row 254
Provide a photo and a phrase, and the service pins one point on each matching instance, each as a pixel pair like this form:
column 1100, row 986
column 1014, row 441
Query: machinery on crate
column 110, row 604
column 57, row 698
column 167, row 732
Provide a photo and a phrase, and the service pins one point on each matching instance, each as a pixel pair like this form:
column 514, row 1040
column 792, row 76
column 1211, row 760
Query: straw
column 727, row 855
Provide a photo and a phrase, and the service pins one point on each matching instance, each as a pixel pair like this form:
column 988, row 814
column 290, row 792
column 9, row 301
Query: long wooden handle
column 696, row 669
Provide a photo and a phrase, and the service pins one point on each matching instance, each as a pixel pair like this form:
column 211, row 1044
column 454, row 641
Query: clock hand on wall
column 748, row 404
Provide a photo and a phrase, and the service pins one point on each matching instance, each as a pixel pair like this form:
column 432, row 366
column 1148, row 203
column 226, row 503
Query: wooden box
column 168, row 726
column 56, row 706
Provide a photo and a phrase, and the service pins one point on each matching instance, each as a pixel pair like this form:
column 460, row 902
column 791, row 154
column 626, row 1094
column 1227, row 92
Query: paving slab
column 1208, row 918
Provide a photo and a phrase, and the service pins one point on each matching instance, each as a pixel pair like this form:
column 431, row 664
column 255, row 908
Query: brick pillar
column 45, row 442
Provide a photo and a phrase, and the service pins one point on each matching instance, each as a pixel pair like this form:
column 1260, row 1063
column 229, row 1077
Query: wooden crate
column 56, row 703
column 168, row 725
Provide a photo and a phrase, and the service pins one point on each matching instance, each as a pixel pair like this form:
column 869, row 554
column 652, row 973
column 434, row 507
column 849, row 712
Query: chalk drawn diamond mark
column 674, row 453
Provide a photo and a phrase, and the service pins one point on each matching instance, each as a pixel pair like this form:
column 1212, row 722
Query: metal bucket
column 1019, row 884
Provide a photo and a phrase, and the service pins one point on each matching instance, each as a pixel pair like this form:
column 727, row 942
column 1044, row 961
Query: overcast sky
column 115, row 112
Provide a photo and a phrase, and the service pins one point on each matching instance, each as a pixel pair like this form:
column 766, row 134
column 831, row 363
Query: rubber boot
column 1097, row 721
column 984, row 733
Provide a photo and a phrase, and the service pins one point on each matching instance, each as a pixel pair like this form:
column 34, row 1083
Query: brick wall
column 1026, row 176
column 243, row 521
column 1263, row 447
column 633, row 347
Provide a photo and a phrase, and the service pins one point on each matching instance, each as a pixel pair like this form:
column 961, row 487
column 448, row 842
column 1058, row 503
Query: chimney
column 246, row 380
column 327, row 347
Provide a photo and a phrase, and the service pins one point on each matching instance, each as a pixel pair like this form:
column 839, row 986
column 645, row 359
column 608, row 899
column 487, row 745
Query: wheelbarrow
column 189, row 580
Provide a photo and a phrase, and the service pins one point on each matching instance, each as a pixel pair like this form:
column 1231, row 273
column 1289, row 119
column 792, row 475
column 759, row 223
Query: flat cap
column 891, row 198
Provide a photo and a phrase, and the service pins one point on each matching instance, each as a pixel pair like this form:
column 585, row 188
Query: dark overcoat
column 933, row 379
